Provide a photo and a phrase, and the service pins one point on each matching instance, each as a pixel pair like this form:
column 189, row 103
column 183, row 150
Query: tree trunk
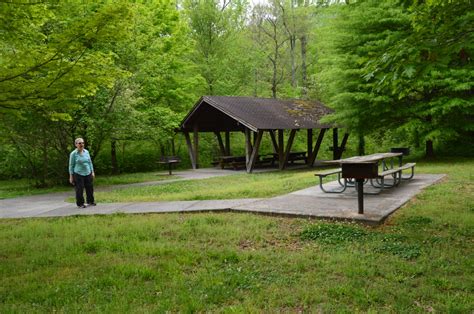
column 44, row 172
column 293, row 62
column 361, row 147
column 429, row 149
column 255, row 88
column 113, row 155
column 304, row 78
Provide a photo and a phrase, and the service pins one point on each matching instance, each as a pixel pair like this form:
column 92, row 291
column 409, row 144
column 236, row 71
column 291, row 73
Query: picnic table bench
column 395, row 172
column 324, row 174
column 238, row 162
column 295, row 156
column 235, row 162
column 169, row 160
column 292, row 157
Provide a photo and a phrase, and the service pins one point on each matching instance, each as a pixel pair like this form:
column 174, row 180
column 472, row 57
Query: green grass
column 420, row 260
column 257, row 185
column 23, row 187
column 227, row 187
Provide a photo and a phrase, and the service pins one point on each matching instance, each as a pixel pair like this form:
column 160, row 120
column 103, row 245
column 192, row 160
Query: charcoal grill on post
column 360, row 172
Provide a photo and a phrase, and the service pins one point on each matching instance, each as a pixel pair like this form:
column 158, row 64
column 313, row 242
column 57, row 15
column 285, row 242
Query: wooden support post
column 317, row 146
column 196, row 146
column 221, row 144
column 227, row 143
column 281, row 153
column 288, row 147
column 274, row 141
column 335, row 144
column 248, row 145
column 343, row 145
column 254, row 155
column 309, row 142
column 190, row 149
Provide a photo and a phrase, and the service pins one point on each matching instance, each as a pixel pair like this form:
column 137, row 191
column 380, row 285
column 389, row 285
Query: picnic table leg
column 169, row 168
column 360, row 195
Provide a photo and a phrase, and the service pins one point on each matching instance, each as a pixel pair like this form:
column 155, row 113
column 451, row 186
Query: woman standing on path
column 81, row 173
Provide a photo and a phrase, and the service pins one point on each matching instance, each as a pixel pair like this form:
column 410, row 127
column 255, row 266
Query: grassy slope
column 420, row 260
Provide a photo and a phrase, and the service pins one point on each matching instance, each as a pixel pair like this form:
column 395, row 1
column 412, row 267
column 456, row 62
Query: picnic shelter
column 253, row 117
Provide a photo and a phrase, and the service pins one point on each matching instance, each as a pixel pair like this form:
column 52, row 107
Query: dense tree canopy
column 117, row 72
column 405, row 68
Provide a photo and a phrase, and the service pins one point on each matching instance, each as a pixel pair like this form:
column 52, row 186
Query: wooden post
column 281, row 157
column 335, row 144
column 190, row 149
column 288, row 147
column 317, row 146
column 196, row 145
column 248, row 145
column 221, row 144
column 343, row 145
column 227, row 143
column 309, row 142
column 274, row 141
column 254, row 155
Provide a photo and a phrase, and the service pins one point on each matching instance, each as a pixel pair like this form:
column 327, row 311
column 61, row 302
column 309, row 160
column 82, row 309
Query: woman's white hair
column 79, row 139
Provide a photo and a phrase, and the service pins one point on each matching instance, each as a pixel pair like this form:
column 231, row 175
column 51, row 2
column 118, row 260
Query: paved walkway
column 310, row 202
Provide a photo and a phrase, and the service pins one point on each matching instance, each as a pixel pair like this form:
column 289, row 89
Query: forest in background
column 123, row 74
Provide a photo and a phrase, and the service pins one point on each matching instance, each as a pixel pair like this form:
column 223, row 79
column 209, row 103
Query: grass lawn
column 242, row 185
column 420, row 260
column 15, row 188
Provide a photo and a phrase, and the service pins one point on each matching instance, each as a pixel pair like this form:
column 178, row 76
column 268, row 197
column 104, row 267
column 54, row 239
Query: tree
column 431, row 72
column 51, row 59
column 271, row 39
column 105, row 72
column 214, row 28
column 399, row 68
column 351, row 37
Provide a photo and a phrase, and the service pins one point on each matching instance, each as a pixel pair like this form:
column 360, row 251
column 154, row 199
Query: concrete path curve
column 309, row 202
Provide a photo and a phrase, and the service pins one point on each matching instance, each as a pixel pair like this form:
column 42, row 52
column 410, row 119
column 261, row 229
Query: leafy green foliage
column 94, row 71
column 402, row 68
column 49, row 60
column 219, row 54
column 113, row 73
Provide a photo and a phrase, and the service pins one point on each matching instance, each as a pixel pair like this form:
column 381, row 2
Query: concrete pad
column 312, row 202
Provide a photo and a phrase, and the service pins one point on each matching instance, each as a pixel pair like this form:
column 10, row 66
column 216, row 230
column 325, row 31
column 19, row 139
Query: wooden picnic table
column 292, row 156
column 366, row 159
column 234, row 161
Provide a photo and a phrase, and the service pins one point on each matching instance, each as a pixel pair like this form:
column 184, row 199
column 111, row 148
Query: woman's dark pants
column 82, row 182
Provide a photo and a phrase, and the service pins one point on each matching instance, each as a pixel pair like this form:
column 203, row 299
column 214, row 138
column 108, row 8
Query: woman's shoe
column 81, row 206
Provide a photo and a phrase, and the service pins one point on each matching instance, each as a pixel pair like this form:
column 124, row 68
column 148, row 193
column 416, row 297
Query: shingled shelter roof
column 222, row 113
